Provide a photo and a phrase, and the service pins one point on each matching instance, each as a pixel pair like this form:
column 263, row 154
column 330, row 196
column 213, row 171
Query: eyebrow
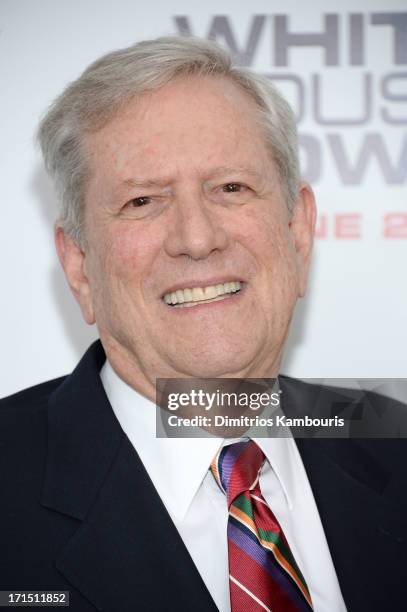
column 212, row 173
column 222, row 170
column 137, row 182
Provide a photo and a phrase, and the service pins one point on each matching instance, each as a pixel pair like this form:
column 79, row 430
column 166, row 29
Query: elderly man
column 185, row 234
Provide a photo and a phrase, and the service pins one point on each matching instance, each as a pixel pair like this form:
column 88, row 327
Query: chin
column 215, row 364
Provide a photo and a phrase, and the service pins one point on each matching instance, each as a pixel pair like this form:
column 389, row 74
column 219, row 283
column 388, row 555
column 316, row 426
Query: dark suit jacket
column 78, row 511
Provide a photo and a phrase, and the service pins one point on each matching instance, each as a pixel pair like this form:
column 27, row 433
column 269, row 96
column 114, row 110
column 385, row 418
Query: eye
column 144, row 207
column 138, row 202
column 233, row 188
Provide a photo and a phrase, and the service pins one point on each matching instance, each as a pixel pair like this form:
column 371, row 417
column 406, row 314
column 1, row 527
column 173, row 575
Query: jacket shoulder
column 23, row 416
column 337, row 397
column 379, row 428
column 31, row 399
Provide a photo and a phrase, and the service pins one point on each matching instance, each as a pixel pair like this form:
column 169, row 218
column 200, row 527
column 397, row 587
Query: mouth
column 189, row 297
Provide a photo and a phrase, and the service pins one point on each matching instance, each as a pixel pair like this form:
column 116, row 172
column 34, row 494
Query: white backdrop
column 343, row 65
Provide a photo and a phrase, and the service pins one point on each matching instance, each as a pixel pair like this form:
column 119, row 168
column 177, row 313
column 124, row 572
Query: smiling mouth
column 185, row 298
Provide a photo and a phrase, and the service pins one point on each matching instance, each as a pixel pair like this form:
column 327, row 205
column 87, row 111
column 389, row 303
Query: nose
column 195, row 230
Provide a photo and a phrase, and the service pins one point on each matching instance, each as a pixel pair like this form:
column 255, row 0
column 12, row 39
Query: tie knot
column 236, row 468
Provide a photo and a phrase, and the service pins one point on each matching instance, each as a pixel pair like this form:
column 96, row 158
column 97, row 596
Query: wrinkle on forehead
column 146, row 107
column 150, row 139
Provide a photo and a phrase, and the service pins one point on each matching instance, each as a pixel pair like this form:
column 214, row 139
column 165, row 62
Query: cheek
column 118, row 264
column 129, row 252
column 268, row 238
column 270, row 243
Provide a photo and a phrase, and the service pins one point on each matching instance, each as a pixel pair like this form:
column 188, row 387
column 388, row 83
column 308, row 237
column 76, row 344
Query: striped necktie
column 263, row 574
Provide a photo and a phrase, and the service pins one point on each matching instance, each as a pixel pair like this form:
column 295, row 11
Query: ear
column 73, row 261
column 302, row 227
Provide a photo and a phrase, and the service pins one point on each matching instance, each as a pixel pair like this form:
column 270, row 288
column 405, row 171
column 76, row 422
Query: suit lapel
column 364, row 531
column 126, row 553
column 364, row 527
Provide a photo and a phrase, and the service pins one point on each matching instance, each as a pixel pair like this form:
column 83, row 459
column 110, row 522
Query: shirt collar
column 284, row 458
column 177, row 466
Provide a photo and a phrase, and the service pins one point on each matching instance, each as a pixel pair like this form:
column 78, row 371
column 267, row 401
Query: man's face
column 192, row 264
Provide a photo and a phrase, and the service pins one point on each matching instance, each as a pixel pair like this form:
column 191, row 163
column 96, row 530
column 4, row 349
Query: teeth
column 180, row 296
column 210, row 292
column 197, row 294
column 187, row 295
column 201, row 294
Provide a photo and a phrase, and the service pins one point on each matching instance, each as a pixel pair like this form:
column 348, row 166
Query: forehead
column 192, row 123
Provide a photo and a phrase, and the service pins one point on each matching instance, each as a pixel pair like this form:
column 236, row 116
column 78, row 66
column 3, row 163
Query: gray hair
column 107, row 84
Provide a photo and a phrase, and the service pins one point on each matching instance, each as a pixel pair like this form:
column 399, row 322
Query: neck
column 142, row 376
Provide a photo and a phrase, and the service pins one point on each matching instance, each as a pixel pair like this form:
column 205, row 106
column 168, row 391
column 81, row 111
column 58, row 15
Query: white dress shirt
column 179, row 470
